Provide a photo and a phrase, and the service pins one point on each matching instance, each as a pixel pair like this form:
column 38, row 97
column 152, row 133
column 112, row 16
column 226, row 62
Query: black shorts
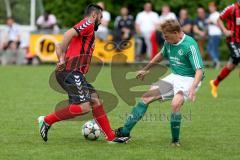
column 235, row 52
column 75, row 84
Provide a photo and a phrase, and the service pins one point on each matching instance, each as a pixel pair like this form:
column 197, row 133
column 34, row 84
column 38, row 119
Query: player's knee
column 86, row 107
column 230, row 66
column 96, row 102
column 176, row 106
column 146, row 99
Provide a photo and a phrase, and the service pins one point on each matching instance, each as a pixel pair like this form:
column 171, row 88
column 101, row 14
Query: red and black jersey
column 231, row 15
column 79, row 53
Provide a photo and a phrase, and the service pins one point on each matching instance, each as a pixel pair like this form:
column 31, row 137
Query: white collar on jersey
column 184, row 35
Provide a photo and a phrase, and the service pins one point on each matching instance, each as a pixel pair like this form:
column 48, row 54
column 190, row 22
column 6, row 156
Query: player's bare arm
column 157, row 59
column 226, row 32
column 197, row 80
column 62, row 47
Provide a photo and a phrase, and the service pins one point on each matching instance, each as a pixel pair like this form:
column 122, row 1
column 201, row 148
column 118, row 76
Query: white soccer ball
column 91, row 130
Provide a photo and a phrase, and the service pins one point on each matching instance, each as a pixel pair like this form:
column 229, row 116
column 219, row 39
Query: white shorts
column 172, row 84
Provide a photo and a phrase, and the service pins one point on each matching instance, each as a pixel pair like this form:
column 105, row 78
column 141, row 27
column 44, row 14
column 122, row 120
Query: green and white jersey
column 184, row 57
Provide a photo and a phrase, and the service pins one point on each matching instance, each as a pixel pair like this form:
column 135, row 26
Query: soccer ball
column 91, row 130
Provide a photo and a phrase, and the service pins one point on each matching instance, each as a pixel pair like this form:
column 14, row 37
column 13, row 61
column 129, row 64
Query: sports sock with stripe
column 175, row 122
column 103, row 122
column 137, row 113
column 222, row 75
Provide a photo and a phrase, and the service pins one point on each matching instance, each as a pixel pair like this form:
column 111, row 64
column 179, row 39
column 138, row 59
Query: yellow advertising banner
column 44, row 45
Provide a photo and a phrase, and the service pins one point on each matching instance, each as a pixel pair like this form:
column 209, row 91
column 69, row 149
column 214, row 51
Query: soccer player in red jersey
column 230, row 15
column 74, row 54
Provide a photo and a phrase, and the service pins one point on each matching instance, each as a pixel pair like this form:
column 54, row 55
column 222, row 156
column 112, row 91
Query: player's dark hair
column 92, row 8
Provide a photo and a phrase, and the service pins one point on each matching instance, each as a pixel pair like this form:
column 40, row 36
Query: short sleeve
column 155, row 18
column 138, row 18
column 195, row 21
column 53, row 19
column 40, row 20
column 188, row 21
column 195, row 57
column 106, row 16
column 116, row 22
column 84, row 29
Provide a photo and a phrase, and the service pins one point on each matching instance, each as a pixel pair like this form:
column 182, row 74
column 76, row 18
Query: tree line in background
column 70, row 12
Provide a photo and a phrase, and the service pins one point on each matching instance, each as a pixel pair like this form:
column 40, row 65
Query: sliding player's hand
column 141, row 74
column 192, row 94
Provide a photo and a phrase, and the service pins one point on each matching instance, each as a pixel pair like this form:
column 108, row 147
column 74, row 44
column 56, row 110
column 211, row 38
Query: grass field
column 210, row 130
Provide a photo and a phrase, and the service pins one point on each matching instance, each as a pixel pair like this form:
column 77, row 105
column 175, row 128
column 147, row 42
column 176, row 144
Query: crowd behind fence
column 144, row 28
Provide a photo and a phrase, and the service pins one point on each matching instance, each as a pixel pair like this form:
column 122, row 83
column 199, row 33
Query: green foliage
column 20, row 11
column 71, row 11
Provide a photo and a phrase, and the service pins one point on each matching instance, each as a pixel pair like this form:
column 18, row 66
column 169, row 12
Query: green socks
column 137, row 113
column 175, row 125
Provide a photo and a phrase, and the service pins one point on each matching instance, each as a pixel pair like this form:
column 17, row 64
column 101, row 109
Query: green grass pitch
column 210, row 130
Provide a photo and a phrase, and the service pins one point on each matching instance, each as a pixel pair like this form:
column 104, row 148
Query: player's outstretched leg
column 102, row 120
column 43, row 128
column 176, row 117
column 222, row 75
column 71, row 111
column 138, row 112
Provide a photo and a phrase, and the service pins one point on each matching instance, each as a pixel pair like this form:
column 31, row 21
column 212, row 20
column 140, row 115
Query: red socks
column 102, row 120
column 68, row 112
column 74, row 110
column 223, row 74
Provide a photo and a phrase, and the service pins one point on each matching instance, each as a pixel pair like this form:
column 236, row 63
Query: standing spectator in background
column 185, row 22
column 123, row 26
column 166, row 14
column 230, row 15
column 48, row 22
column 102, row 32
column 214, row 34
column 146, row 23
column 156, row 37
column 1, row 46
column 200, row 30
column 12, row 52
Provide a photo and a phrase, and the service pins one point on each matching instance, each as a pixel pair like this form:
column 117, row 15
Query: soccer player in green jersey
column 186, row 66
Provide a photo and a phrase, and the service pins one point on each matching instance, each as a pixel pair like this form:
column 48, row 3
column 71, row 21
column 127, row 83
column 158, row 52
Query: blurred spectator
column 47, row 22
column 185, row 22
column 214, row 34
column 12, row 53
column 123, row 26
column 200, row 30
column 102, row 31
column 146, row 23
column 1, row 46
column 166, row 14
column 156, row 37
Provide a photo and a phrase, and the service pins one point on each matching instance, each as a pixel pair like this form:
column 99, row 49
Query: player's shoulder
column 140, row 14
column 188, row 43
column 228, row 8
column 85, row 24
column 118, row 18
column 130, row 17
column 189, row 40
